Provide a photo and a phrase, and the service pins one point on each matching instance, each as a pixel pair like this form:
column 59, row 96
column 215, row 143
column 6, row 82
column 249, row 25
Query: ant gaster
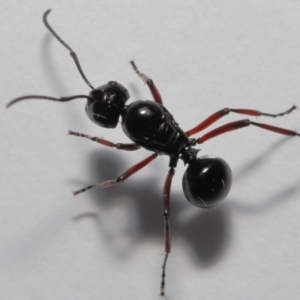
column 150, row 125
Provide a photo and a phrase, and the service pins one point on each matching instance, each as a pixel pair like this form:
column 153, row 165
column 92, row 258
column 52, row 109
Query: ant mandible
column 150, row 125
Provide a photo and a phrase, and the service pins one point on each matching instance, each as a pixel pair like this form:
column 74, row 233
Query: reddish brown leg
column 154, row 91
column 127, row 147
column 223, row 112
column 240, row 124
column 121, row 178
column 166, row 215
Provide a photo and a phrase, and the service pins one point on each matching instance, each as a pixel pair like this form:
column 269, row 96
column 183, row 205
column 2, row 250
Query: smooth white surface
column 108, row 244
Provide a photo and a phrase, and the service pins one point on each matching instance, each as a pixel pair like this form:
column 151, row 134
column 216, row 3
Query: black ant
column 150, row 125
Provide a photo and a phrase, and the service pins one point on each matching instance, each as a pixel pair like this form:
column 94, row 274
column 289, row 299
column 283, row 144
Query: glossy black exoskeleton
column 150, row 125
column 210, row 172
column 105, row 104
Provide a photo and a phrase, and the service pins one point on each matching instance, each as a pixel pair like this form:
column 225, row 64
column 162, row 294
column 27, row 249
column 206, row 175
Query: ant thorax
column 150, row 125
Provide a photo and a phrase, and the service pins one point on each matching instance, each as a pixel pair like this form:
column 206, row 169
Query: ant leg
column 154, row 91
column 223, row 112
column 166, row 215
column 240, row 124
column 72, row 53
column 127, row 147
column 121, row 178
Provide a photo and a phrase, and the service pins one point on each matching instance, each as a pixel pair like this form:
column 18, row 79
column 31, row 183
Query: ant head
column 206, row 181
column 105, row 104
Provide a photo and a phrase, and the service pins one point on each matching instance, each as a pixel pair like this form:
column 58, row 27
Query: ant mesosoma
column 149, row 124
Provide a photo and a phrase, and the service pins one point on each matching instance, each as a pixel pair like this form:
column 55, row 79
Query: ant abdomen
column 206, row 181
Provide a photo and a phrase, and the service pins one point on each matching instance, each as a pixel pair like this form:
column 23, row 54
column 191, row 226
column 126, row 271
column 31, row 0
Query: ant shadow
column 278, row 195
column 206, row 235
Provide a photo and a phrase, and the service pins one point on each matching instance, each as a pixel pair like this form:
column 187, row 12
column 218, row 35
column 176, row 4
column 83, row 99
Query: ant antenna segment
column 72, row 53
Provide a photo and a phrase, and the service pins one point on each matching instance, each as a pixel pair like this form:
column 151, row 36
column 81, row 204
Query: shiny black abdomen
column 150, row 125
column 206, row 181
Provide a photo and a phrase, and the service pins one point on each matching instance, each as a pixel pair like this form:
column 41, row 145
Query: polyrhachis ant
column 148, row 124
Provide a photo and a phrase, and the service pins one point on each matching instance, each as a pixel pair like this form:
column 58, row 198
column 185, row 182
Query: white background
column 108, row 244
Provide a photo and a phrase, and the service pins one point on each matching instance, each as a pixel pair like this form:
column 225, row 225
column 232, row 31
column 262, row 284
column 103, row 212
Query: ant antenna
column 144, row 77
column 72, row 53
column 61, row 99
